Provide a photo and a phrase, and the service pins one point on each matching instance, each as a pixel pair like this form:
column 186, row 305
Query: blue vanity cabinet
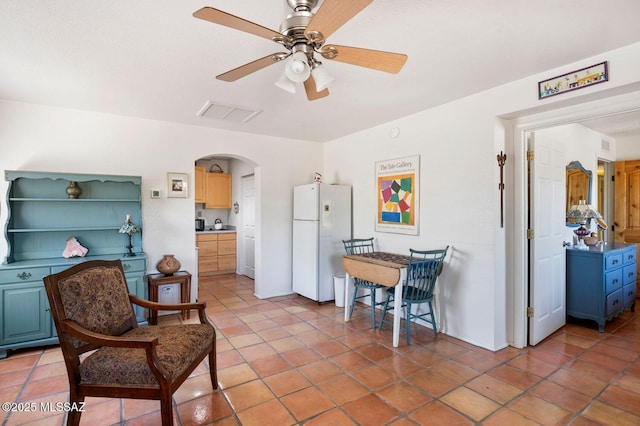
column 601, row 281
column 41, row 217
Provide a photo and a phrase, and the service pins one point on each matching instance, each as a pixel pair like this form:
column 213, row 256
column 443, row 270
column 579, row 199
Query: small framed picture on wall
column 177, row 185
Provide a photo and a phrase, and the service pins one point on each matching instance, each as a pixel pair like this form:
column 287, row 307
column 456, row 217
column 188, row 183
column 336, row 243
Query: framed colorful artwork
column 574, row 80
column 177, row 186
column 397, row 194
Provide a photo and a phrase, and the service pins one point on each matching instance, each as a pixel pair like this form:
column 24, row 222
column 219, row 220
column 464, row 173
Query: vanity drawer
column 613, row 281
column 614, row 302
column 23, row 275
column 629, row 256
column 133, row 265
column 613, row 261
column 629, row 274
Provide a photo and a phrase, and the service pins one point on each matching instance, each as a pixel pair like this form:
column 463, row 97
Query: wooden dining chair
column 422, row 273
column 359, row 246
column 92, row 310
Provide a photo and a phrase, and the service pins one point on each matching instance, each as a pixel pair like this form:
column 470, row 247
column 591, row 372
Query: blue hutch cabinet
column 41, row 218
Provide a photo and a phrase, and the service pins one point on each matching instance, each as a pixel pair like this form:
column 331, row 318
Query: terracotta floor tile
column 607, row 415
column 12, row 378
column 132, row 408
column 374, row 377
column 18, row 363
column 400, row 365
column 252, row 353
column 437, row 413
column 435, row 384
column 578, row 382
column 560, row 396
column 286, row 382
column 313, row 337
column 533, row 365
column 270, row 365
column 270, row 413
column 494, row 389
column 307, row 403
column 331, row 417
column 629, row 382
column 194, row 387
column 375, row 352
column 204, row 410
column 455, row 371
column 516, row 377
column 245, row 340
column 621, row 398
column 320, row 371
column 506, row 416
column 371, row 410
column 273, row 333
column 329, row 348
column 403, row 396
column 425, row 358
column 342, row 389
column 471, row 403
column 248, row 395
column 301, row 356
column 235, row 375
column 228, row 358
column 590, row 369
column 540, row 410
column 287, row 344
column 48, row 386
column 351, row 361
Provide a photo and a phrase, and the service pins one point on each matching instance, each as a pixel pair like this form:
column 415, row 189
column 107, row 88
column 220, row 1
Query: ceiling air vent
column 605, row 145
column 227, row 112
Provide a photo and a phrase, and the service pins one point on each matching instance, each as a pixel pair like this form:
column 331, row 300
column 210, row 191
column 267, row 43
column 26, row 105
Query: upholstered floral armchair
column 93, row 312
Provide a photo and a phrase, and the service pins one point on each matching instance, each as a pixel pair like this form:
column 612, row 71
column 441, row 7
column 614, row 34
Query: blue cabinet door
column 25, row 313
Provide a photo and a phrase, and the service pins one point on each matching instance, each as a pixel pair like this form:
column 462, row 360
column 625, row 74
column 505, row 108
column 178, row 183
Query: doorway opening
column 239, row 213
column 517, row 244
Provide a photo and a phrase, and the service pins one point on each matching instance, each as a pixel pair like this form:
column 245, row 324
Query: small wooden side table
column 181, row 277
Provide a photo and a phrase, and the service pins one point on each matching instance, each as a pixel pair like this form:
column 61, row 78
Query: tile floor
column 287, row 361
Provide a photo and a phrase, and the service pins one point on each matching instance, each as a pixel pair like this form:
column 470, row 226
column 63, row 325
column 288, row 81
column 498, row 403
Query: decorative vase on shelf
column 168, row 264
column 73, row 190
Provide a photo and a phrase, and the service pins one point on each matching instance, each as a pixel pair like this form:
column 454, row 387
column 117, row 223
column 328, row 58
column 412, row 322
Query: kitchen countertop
column 210, row 230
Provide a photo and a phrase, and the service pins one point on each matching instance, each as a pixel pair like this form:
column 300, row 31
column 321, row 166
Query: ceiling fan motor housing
column 306, row 5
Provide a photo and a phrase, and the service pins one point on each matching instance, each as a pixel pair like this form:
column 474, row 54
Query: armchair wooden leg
column 74, row 415
column 213, row 371
column 166, row 409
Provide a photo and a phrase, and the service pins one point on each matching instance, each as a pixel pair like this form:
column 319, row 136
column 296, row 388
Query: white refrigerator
column 321, row 220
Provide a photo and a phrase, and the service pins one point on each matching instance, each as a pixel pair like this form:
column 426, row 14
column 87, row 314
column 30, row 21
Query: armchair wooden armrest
column 155, row 306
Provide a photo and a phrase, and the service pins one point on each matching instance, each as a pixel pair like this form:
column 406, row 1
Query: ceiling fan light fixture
column 285, row 84
column 322, row 77
column 297, row 69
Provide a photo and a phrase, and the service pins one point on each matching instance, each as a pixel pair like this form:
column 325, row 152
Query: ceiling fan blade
column 312, row 93
column 251, row 67
column 333, row 14
column 223, row 18
column 374, row 59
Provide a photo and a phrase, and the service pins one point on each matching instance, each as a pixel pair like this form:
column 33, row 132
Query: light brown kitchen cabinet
column 216, row 253
column 201, row 183
column 218, row 191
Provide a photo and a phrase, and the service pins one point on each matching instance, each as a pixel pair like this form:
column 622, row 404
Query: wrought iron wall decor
column 502, row 158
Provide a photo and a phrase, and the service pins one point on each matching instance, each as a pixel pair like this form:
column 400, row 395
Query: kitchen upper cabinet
column 201, row 182
column 218, row 191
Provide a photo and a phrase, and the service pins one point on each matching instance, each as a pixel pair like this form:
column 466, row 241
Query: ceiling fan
column 303, row 33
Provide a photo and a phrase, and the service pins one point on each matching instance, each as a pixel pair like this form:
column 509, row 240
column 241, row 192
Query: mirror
column 578, row 185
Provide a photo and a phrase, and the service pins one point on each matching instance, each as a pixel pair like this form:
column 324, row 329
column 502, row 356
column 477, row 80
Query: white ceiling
column 152, row 59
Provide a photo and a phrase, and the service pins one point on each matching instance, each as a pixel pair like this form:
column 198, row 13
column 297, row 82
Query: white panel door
column 248, row 226
column 547, row 288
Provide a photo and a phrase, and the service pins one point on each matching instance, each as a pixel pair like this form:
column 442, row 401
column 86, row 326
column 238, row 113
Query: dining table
column 387, row 269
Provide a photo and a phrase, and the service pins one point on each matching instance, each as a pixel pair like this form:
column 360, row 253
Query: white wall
column 51, row 139
column 628, row 148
